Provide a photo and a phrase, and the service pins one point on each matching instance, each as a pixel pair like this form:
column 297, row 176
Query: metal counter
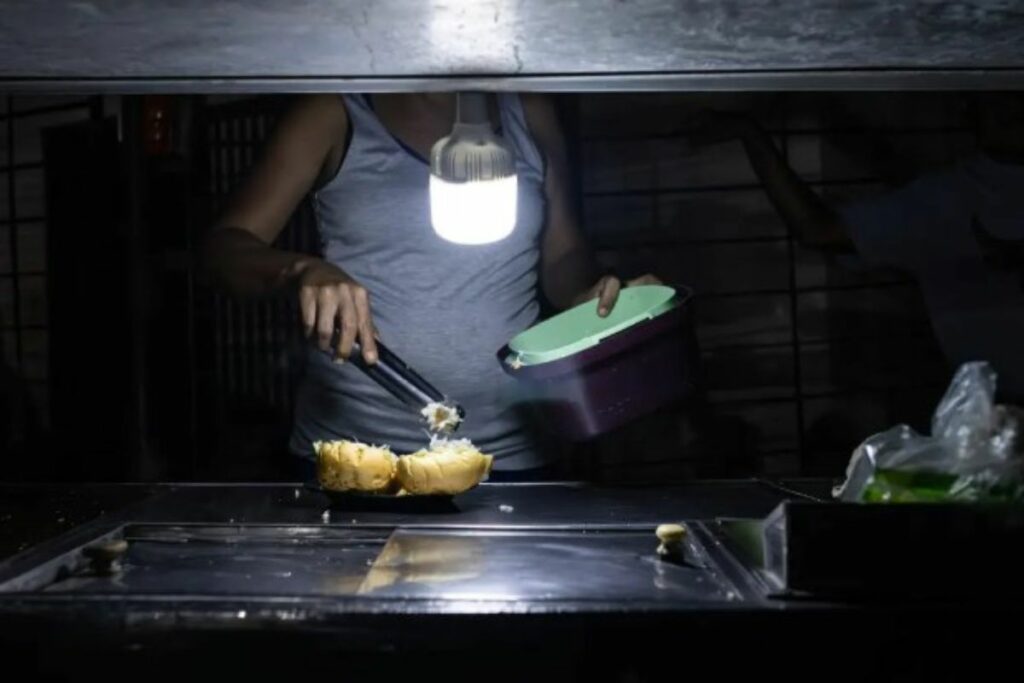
column 502, row 547
column 545, row 581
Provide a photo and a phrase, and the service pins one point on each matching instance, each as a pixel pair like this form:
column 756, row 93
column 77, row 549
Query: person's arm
column 812, row 221
column 237, row 254
column 569, row 273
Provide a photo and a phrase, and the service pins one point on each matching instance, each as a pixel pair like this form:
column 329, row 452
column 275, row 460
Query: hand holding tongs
column 401, row 381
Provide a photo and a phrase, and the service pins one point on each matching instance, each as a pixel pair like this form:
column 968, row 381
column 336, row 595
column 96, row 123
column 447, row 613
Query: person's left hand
column 606, row 291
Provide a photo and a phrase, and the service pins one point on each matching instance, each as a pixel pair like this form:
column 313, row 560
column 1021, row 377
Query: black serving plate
column 376, row 502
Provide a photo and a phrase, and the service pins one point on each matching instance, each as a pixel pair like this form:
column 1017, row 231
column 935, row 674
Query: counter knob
column 672, row 537
column 105, row 556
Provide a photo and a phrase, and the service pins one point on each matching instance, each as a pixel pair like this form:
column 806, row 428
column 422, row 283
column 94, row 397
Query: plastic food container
column 586, row 375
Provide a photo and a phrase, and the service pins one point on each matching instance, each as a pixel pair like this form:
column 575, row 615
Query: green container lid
column 581, row 327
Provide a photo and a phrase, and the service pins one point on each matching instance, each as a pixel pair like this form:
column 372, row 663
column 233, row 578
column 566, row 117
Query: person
column 384, row 274
column 958, row 231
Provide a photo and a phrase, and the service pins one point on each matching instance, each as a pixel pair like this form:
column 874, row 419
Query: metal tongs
column 404, row 383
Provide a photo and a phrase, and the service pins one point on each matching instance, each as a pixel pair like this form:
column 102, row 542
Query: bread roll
column 447, row 468
column 353, row 466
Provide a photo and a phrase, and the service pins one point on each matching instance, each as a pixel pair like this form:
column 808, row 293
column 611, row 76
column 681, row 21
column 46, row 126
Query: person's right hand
column 328, row 297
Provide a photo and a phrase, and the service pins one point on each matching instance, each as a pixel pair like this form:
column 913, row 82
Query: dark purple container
column 629, row 374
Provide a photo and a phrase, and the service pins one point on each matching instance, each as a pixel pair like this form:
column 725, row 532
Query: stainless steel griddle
column 553, row 547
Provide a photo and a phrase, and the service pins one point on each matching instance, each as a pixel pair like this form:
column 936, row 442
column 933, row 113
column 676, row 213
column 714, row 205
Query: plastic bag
column 973, row 453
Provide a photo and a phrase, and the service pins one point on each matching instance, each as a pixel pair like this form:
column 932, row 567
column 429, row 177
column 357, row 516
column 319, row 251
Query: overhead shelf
column 593, row 45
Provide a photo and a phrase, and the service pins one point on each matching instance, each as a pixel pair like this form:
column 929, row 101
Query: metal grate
column 253, row 341
column 24, row 316
column 777, row 323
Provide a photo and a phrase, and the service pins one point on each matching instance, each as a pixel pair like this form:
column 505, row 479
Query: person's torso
column 444, row 308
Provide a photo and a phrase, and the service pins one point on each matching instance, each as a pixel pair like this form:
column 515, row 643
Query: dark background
column 119, row 363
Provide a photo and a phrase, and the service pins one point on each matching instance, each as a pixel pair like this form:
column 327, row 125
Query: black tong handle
column 394, row 375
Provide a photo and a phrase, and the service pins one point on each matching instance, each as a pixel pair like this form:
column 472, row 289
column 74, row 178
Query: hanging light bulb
column 473, row 186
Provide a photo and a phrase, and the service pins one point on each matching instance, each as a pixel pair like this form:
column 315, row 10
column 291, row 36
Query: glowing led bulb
column 474, row 212
column 473, row 186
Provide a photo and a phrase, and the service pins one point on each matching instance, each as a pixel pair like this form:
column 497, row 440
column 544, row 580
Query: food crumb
column 296, row 494
column 326, row 516
column 506, row 508
column 441, row 417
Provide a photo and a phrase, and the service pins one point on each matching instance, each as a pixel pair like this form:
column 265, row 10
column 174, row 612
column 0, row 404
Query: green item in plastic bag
column 973, row 454
column 922, row 486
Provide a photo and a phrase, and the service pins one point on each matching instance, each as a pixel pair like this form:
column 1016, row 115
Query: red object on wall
column 157, row 124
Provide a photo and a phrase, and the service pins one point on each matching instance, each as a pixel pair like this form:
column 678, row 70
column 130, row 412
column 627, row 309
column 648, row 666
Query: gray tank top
column 444, row 308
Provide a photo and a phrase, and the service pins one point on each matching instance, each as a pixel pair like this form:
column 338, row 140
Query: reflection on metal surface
column 234, row 560
column 485, row 566
column 745, row 538
column 539, row 565
column 429, row 559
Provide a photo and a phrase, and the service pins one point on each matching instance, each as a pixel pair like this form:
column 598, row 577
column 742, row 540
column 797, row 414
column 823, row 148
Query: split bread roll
column 447, row 468
column 354, row 466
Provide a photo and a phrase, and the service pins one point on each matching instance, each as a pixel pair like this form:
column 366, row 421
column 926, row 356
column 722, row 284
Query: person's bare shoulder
column 316, row 114
column 316, row 128
column 542, row 119
column 541, row 114
column 306, row 144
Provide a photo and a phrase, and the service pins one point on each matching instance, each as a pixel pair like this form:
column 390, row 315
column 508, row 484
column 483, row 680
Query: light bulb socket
column 471, row 108
column 472, row 152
